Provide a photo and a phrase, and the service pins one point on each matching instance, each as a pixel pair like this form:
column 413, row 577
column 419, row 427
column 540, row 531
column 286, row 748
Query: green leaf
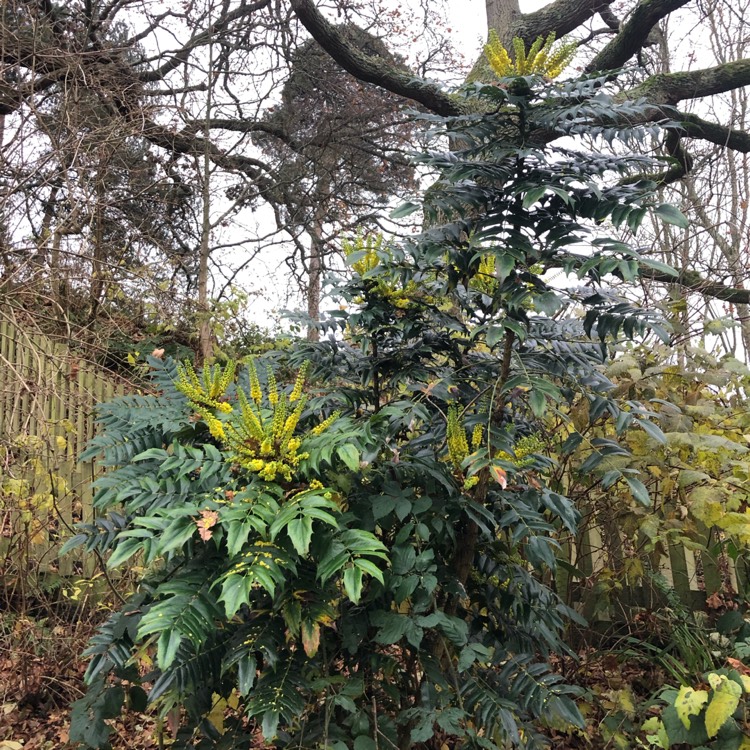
column 656, row 734
column 247, row 666
column 405, row 209
column 392, row 627
column 538, row 403
column 369, row 567
column 300, row 533
column 235, row 591
column 353, row 583
column 657, row 265
column 639, row 491
column 493, row 335
column 548, row 303
column 137, row 698
column 672, row 215
column 653, row 430
column 333, row 561
column 166, row 649
column 349, row 455
column 270, row 724
column 532, row 196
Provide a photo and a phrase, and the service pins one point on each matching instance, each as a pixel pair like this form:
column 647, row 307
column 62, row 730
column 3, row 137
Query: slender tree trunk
column 205, row 334
column 98, row 254
column 314, row 276
column 315, row 261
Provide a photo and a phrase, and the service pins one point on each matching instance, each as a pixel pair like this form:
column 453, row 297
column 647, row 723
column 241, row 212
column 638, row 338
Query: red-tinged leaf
column 738, row 665
column 499, row 475
column 206, row 522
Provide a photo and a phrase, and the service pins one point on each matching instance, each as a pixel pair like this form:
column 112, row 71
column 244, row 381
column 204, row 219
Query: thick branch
column 693, row 281
column 561, row 16
column 670, row 88
column 372, row 69
column 634, row 33
column 696, row 127
column 182, row 143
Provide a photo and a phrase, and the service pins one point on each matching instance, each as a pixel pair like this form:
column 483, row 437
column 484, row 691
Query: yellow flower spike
column 497, row 55
column 458, row 446
column 226, row 379
column 520, row 54
column 250, row 420
column 255, row 392
column 299, row 383
column 476, row 436
column 325, row 424
column 540, row 63
column 292, row 420
column 534, row 51
column 279, row 417
column 273, row 391
column 560, row 59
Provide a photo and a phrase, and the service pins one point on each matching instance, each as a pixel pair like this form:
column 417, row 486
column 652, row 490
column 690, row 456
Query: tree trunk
column 314, row 276
column 501, row 14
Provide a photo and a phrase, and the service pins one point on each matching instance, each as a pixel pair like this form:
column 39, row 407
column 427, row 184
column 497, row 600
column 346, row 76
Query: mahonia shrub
column 366, row 563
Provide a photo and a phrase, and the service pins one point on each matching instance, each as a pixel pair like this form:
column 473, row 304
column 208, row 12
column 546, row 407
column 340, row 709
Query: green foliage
column 689, row 454
column 384, row 581
column 703, row 717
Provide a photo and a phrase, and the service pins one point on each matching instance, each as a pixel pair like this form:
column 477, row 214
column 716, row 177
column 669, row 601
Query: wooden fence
column 608, row 577
column 47, row 397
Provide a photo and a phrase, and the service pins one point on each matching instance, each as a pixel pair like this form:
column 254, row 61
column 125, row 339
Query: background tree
column 158, row 94
column 340, row 149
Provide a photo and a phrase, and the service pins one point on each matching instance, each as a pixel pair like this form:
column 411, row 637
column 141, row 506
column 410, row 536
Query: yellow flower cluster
column 261, row 439
column 543, row 58
column 523, row 450
column 485, row 280
column 204, row 394
column 476, row 436
column 370, row 246
column 458, row 446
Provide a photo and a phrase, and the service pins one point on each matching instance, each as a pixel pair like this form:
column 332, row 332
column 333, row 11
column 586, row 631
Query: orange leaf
column 206, row 522
column 500, row 476
column 738, row 665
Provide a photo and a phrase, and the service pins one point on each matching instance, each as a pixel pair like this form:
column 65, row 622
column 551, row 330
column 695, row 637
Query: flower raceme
column 260, row 432
column 543, row 58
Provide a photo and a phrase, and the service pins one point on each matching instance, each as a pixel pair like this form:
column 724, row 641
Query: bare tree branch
column 634, row 33
column 561, row 16
column 372, row 69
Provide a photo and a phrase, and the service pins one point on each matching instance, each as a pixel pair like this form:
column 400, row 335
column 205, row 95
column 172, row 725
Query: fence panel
column 48, row 394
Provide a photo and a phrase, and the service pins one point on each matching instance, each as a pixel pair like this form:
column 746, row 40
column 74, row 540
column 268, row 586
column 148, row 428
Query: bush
column 364, row 562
